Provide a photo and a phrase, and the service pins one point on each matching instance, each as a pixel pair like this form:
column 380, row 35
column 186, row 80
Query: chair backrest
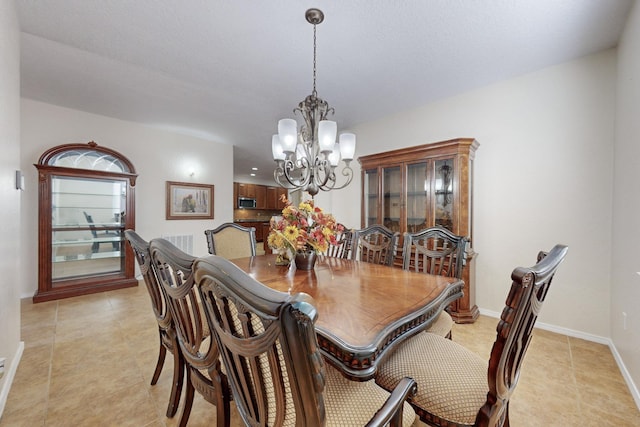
column 173, row 269
column 231, row 241
column 158, row 299
column 268, row 344
column 343, row 247
column 375, row 244
column 434, row 250
column 92, row 227
column 528, row 291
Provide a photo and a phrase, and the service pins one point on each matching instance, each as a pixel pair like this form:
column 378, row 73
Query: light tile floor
column 88, row 361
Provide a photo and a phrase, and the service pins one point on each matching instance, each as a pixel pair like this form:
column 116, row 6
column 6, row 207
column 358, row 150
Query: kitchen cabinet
column 267, row 197
column 418, row 187
column 245, row 190
column 261, row 196
column 273, row 197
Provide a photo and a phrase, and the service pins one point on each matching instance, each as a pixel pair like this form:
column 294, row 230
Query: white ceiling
column 228, row 70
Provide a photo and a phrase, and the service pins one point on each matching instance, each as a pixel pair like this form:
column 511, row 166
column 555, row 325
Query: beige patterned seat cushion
column 452, row 381
column 442, row 325
column 351, row 403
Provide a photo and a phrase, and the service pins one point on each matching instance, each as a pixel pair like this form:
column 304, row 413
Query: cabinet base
column 467, row 316
column 55, row 294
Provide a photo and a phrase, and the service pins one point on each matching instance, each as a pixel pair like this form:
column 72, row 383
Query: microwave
column 246, row 202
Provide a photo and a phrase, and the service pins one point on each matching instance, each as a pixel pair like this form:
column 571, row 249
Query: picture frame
column 186, row 200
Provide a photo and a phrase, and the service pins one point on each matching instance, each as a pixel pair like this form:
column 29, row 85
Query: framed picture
column 186, row 200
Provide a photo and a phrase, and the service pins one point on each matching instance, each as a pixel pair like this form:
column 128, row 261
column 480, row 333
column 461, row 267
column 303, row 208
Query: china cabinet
column 418, row 187
column 86, row 201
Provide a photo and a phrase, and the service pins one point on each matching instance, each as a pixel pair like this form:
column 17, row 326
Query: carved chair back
column 343, row 248
column 375, row 244
column 524, row 301
column 268, row 344
column 232, row 241
column 434, row 250
column 174, row 270
column 166, row 327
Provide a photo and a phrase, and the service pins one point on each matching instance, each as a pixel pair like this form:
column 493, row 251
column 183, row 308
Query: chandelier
column 308, row 159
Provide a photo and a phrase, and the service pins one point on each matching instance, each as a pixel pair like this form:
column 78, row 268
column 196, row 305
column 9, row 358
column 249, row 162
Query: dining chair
column 231, row 241
column 435, row 250
column 456, row 387
column 343, row 247
column 173, row 268
column 375, row 244
column 166, row 329
column 278, row 376
column 95, row 247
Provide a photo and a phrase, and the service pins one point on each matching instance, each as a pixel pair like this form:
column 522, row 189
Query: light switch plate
column 19, row 181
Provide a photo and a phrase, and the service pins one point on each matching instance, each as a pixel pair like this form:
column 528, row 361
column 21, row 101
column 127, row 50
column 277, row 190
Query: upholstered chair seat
column 456, row 387
column 442, row 325
column 351, row 403
column 450, row 393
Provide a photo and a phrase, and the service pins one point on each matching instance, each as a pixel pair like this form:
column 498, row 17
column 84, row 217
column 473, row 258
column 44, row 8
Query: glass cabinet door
column 392, row 198
column 371, row 197
column 86, row 201
column 87, row 226
column 417, row 197
column 443, row 190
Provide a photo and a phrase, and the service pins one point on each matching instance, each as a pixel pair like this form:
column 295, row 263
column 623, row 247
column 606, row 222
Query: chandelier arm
column 279, row 172
column 304, row 167
column 346, row 171
column 324, row 166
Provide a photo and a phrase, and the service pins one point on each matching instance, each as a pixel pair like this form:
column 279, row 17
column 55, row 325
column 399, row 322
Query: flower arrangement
column 302, row 229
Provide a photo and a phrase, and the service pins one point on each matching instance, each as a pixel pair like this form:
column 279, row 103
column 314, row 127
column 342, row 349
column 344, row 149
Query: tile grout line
column 50, row 374
column 573, row 376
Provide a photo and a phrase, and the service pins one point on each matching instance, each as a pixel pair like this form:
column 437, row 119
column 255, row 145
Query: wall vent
column 183, row 242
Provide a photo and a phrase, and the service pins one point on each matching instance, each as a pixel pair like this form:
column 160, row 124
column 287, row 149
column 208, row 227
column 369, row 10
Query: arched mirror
column 86, row 201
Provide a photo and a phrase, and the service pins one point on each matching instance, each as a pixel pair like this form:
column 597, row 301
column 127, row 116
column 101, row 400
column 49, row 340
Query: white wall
column 625, row 283
column 10, row 214
column 158, row 156
column 543, row 176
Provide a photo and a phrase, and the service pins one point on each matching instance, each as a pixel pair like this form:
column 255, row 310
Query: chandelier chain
column 314, row 61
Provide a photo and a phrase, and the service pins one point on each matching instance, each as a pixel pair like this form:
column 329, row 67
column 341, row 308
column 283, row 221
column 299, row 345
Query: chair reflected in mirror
column 99, row 234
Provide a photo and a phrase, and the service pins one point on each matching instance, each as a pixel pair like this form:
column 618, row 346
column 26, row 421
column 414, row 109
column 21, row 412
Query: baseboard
column 626, row 375
column 633, row 389
column 10, row 375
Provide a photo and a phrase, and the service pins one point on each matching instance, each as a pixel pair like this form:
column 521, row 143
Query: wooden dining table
column 364, row 310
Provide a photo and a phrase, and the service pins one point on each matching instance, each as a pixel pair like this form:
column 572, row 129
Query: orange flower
column 305, row 227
